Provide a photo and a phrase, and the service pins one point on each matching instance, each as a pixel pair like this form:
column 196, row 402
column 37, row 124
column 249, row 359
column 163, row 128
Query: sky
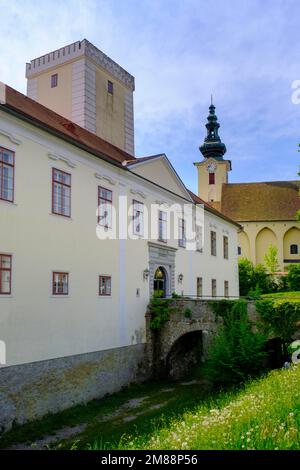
column 245, row 53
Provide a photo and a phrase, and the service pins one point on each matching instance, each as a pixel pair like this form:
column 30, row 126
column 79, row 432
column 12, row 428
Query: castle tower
column 213, row 169
column 84, row 85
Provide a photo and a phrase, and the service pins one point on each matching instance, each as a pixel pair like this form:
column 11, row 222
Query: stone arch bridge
column 183, row 340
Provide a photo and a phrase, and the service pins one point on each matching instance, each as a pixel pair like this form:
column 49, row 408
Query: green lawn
column 265, row 416
column 286, row 295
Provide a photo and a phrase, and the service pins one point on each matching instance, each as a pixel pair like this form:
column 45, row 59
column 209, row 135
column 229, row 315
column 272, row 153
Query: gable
column 160, row 171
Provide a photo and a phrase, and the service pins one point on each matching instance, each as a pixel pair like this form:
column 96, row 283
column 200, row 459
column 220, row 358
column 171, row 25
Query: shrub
column 237, row 352
column 271, row 259
column 280, row 319
column 254, row 277
column 246, row 269
column 187, row 313
column 293, row 277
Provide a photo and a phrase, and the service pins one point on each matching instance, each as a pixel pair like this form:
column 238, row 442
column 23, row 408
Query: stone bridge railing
column 202, row 321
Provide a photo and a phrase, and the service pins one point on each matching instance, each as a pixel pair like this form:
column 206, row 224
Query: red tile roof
column 66, row 129
column 267, row 201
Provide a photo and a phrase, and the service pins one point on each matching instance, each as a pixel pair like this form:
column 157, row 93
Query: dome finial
column 212, row 146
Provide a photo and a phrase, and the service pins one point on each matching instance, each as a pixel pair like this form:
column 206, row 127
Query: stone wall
column 30, row 391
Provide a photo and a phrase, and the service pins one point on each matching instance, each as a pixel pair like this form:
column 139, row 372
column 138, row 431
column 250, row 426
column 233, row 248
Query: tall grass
column 265, row 415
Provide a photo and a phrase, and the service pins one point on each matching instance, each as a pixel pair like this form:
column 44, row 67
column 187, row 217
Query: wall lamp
column 146, row 273
column 180, row 278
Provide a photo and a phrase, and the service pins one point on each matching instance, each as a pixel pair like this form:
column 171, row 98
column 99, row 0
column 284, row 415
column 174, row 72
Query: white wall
column 36, row 325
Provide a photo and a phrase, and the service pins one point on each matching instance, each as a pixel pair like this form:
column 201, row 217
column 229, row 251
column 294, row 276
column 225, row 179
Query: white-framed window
column 214, row 287
column 226, row 288
column 7, row 173
column 104, row 207
column 213, row 243
column 5, row 274
column 162, row 226
column 182, row 236
column 104, row 285
column 60, row 283
column 225, row 247
column 199, row 286
column 294, row 249
column 199, row 238
column 61, row 193
column 138, row 218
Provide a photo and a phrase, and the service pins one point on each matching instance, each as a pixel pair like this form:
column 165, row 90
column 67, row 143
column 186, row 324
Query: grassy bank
column 265, row 415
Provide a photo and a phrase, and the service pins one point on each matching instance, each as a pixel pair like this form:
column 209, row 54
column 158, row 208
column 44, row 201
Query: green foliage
column 175, row 295
column 255, row 293
column 271, row 259
column 254, row 278
column 237, row 352
column 158, row 294
column 159, row 309
column 279, row 318
column 293, row 277
column 187, row 313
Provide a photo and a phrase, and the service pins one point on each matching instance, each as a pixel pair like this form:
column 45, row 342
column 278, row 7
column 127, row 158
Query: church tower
column 213, row 169
column 84, row 85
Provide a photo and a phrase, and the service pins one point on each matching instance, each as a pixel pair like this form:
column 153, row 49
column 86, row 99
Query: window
column 104, row 285
column 54, row 79
column 61, row 193
column 7, row 167
column 226, row 288
column 181, row 240
column 225, row 247
column 60, row 283
column 213, row 243
column 104, row 207
column 211, row 178
column 239, row 250
column 162, row 226
column 214, row 287
column 294, row 249
column 199, row 287
column 138, row 218
column 5, row 274
column 110, row 87
column 199, row 238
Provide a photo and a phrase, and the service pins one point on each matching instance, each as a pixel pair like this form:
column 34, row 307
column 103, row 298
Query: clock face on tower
column 211, row 167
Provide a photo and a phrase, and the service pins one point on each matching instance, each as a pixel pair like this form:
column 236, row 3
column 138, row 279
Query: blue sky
column 246, row 53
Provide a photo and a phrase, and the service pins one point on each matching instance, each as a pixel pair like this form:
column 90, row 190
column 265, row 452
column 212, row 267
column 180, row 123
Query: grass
column 108, row 419
column 265, row 415
column 283, row 295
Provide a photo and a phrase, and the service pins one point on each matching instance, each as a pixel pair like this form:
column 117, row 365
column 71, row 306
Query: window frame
column 106, row 202
column 10, row 165
column 6, row 270
column 110, row 87
column 226, row 288
column 162, row 222
column 294, row 251
column 181, row 234
column 61, row 273
column 199, row 284
column 140, row 218
column 214, row 287
column 225, row 247
column 213, row 243
column 64, row 185
column 212, row 178
column 105, row 277
column 54, row 80
column 239, row 250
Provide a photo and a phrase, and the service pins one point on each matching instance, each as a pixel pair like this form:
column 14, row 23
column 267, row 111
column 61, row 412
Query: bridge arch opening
column 185, row 355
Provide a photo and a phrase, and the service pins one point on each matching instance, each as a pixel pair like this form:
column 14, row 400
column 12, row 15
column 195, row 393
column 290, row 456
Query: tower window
column 294, row 249
column 239, row 250
column 211, row 178
column 110, row 87
column 54, row 80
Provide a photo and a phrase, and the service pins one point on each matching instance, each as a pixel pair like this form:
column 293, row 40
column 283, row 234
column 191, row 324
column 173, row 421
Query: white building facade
column 72, row 304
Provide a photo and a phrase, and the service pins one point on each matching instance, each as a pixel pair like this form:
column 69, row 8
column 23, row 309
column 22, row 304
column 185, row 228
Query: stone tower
column 213, row 169
column 84, row 85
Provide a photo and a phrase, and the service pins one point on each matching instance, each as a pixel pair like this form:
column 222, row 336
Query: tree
column 293, row 277
column 271, row 259
column 246, row 270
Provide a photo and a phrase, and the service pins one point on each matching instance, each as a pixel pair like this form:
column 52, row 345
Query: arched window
column 294, row 249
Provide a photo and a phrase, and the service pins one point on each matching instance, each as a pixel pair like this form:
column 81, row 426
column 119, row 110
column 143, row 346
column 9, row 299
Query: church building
column 265, row 210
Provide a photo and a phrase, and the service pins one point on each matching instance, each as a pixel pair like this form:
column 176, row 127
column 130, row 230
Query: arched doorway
column 185, row 355
column 160, row 282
